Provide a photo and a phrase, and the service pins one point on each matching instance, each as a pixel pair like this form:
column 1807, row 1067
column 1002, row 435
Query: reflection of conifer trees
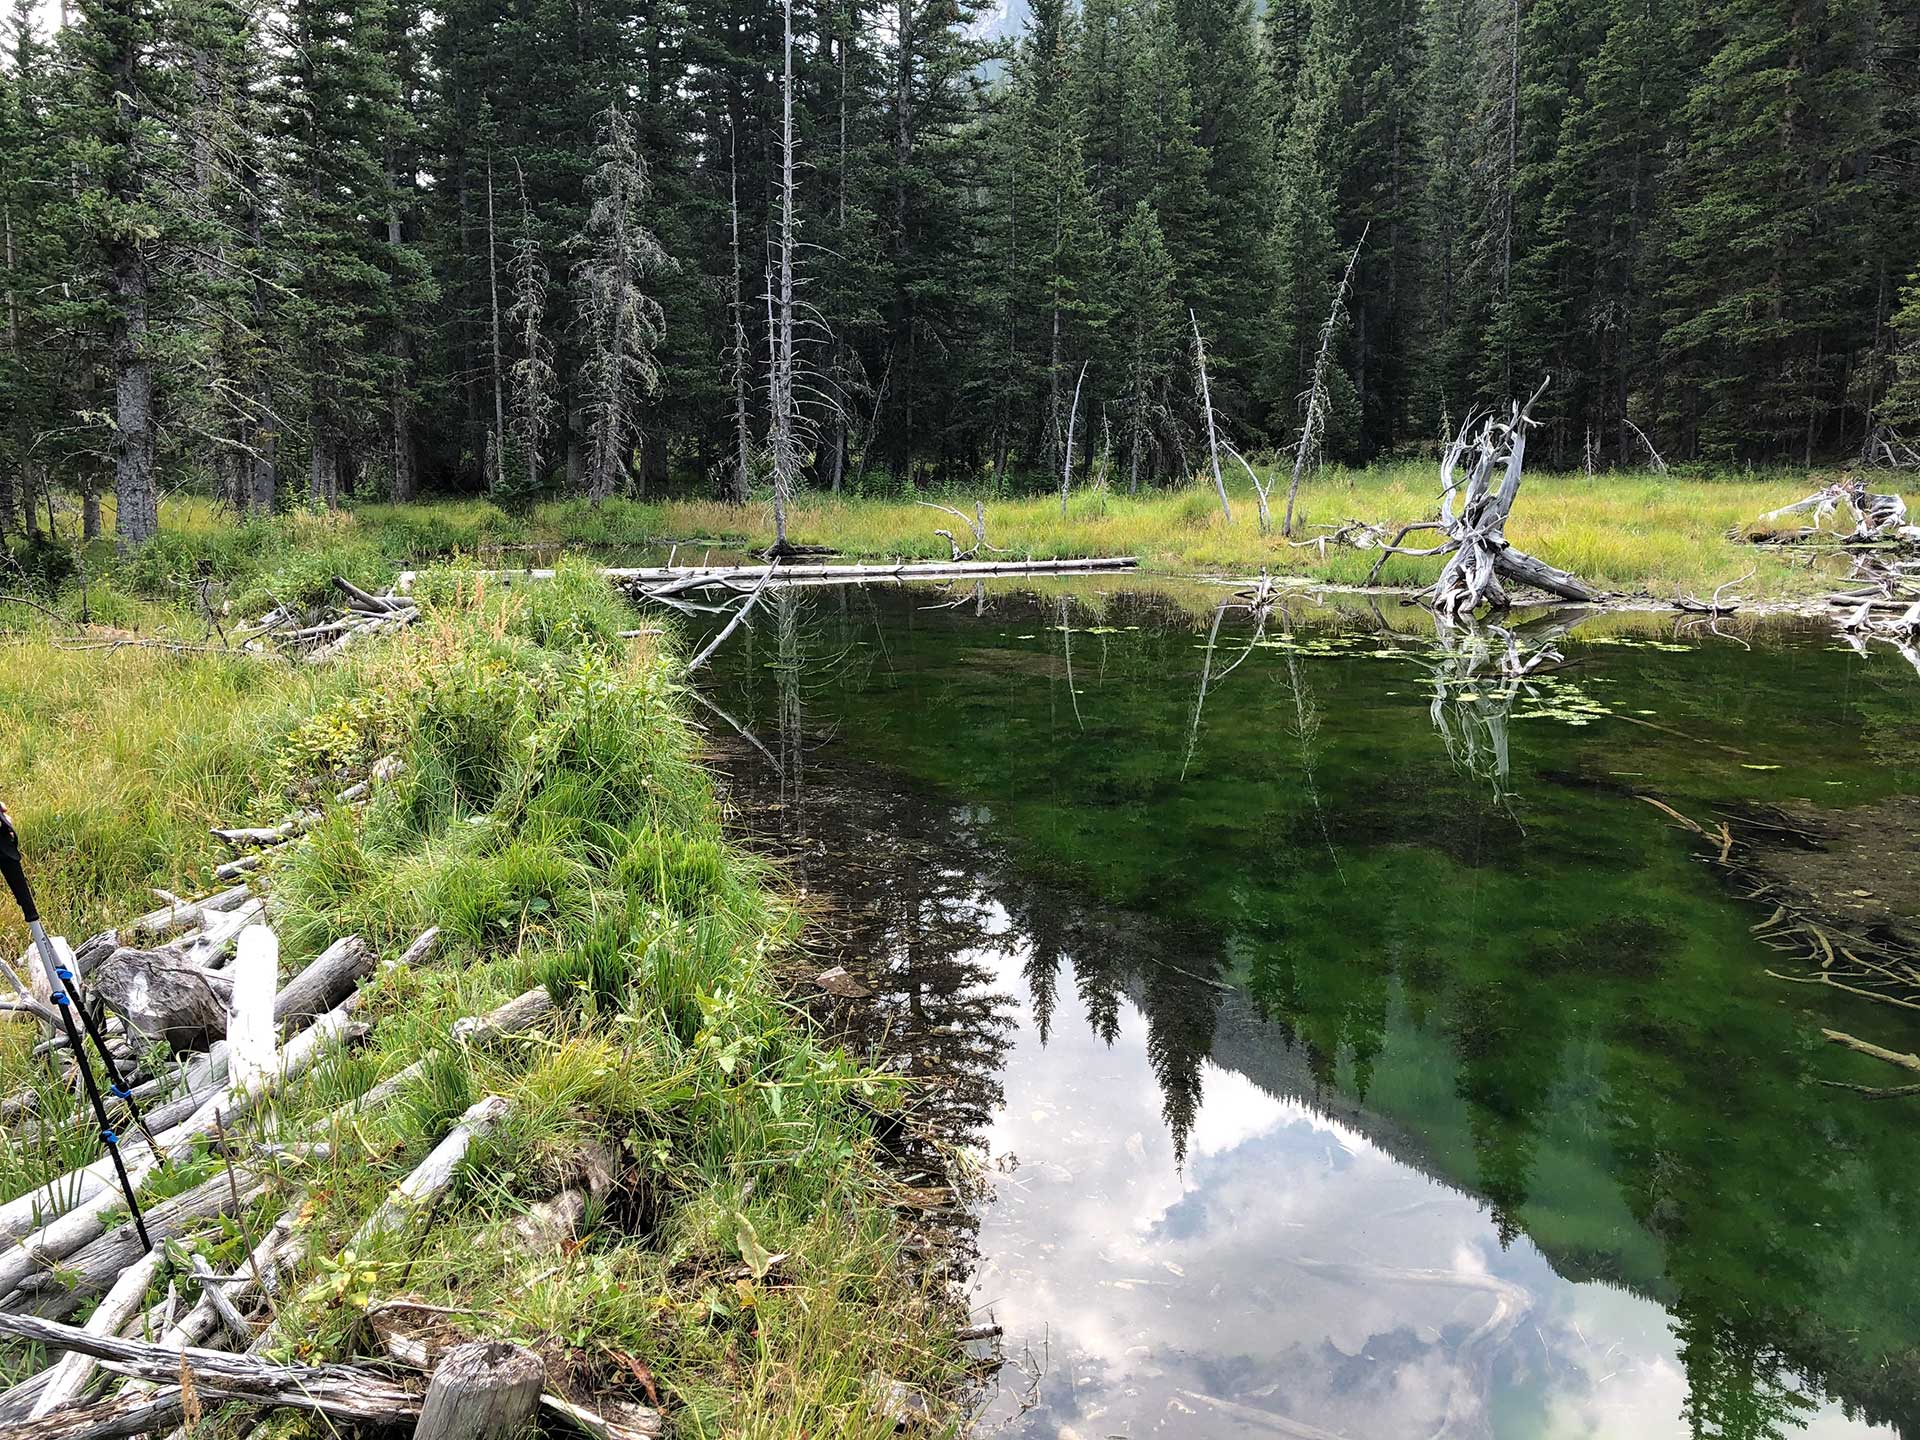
column 1042, row 971
column 1180, row 1017
column 1736, row 1388
column 1508, row 1064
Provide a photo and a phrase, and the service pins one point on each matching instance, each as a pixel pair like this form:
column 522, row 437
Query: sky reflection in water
column 1339, row 1078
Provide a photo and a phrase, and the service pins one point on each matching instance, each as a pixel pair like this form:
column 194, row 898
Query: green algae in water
column 1518, row 981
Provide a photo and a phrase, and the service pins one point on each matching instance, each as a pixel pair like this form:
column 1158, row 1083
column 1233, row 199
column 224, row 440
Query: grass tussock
column 553, row 820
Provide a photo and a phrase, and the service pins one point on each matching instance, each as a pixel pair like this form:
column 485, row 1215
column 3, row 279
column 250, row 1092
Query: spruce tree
column 1147, row 332
column 339, row 100
column 1770, row 283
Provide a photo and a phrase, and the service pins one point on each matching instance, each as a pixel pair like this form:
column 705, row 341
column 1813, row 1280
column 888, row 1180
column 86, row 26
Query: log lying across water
column 697, row 577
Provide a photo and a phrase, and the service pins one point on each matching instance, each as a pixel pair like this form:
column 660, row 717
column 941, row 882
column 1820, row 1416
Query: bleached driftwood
column 90, row 1189
column 434, row 1174
column 1875, row 517
column 326, row 980
column 179, row 914
column 485, row 1390
column 92, row 1268
column 521, row 1013
column 72, row 1371
column 611, row 1420
column 342, row 1392
column 1480, row 557
column 118, row 1418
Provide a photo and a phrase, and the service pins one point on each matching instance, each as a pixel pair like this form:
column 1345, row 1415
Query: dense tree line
column 372, row 246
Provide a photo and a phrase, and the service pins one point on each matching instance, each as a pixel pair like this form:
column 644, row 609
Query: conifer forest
column 329, row 248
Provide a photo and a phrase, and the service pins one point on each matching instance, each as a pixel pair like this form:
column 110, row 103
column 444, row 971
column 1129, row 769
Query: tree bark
column 343, row 1392
column 487, row 1390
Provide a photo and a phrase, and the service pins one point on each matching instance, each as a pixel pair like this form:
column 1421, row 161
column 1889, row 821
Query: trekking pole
column 62, row 982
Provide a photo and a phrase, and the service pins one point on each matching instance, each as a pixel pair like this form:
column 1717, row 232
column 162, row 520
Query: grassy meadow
column 1637, row 534
column 554, row 819
column 1633, row 534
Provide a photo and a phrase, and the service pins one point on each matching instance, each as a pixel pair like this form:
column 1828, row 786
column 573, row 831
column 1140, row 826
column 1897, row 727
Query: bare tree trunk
column 1316, row 416
column 742, row 438
column 404, row 483
column 498, row 477
column 324, row 471
column 8, row 497
column 137, row 502
column 1206, row 404
column 1066, row 468
column 785, row 447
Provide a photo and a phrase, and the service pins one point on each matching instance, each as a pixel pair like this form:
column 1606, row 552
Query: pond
column 1347, row 1039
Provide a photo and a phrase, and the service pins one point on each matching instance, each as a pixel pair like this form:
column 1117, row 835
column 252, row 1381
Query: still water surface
column 1347, row 1042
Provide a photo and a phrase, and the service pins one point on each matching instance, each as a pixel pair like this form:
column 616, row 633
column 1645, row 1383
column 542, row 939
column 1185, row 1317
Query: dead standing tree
column 1315, row 421
column 622, row 325
column 1480, row 558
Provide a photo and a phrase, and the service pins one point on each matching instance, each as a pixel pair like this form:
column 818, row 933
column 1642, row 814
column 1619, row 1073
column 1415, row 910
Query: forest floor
column 553, row 819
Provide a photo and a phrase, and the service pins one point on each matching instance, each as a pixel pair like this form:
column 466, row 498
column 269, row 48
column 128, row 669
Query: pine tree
column 1770, row 279
column 1226, row 259
column 1147, row 329
column 339, row 100
column 621, row 322
column 112, row 47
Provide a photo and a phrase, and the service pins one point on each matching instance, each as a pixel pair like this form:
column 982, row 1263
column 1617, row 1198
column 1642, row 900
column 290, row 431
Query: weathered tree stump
column 1479, row 554
column 163, row 998
column 488, row 1390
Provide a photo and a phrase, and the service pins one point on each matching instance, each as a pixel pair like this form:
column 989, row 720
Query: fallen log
column 93, row 1184
column 612, row 1420
column 179, row 914
column 328, row 979
column 72, row 1371
column 92, row 1268
column 718, row 576
column 164, row 999
column 519, row 1014
column 433, row 1175
column 341, row 1392
column 1480, row 557
column 118, row 1417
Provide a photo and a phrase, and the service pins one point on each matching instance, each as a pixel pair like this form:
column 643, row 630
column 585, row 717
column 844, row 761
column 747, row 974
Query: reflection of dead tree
column 1066, row 641
column 1480, row 556
column 1305, row 728
column 1257, row 602
column 1478, row 672
column 792, row 716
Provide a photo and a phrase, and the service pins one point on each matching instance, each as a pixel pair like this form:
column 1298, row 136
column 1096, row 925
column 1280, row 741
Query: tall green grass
column 553, row 819
column 1631, row 533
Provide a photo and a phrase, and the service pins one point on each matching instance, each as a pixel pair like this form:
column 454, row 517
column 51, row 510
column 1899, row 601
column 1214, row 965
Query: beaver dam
column 1337, row 1028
